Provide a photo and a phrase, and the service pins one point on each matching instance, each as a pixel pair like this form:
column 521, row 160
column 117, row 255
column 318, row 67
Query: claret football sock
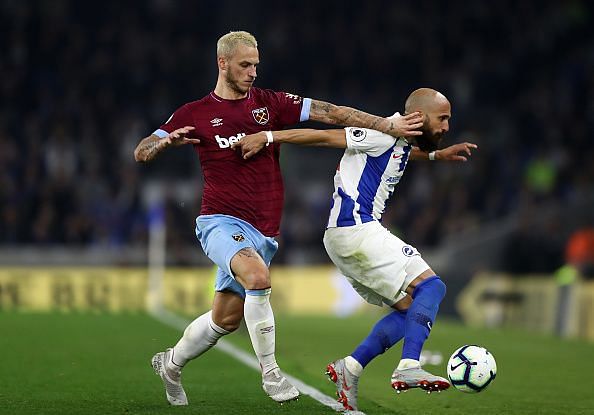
column 420, row 316
column 386, row 332
column 259, row 320
column 200, row 335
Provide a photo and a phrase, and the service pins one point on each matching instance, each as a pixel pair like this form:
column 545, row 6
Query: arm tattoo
column 248, row 253
column 319, row 108
column 374, row 124
column 148, row 149
column 333, row 114
column 349, row 115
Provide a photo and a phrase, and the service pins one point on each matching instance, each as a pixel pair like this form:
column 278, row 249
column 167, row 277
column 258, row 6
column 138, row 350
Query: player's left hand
column 179, row 137
column 456, row 152
column 406, row 125
column 251, row 144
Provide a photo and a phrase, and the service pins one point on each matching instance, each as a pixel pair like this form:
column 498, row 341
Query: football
column 471, row 368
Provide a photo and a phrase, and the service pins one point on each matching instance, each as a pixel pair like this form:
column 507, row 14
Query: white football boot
column 171, row 378
column 347, row 384
column 278, row 387
column 416, row 377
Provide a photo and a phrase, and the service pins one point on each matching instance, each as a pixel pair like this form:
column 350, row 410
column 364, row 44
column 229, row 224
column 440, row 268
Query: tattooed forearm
column 375, row 124
column 337, row 115
column 148, row 148
column 349, row 115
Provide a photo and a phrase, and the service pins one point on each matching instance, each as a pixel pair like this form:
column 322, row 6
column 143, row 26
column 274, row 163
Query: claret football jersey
column 251, row 189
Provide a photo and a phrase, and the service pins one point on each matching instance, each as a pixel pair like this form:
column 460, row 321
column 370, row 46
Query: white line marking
column 249, row 360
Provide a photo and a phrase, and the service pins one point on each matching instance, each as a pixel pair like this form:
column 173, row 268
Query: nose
column 446, row 127
column 253, row 73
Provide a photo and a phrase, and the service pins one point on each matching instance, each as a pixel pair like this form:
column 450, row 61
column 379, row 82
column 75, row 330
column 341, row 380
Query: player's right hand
column 178, row 137
column 406, row 125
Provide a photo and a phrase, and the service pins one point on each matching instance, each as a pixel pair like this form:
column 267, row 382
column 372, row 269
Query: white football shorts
column 378, row 264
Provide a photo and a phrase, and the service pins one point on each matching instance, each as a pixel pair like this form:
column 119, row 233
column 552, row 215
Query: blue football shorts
column 221, row 237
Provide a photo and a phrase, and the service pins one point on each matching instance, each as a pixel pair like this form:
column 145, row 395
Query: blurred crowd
column 82, row 83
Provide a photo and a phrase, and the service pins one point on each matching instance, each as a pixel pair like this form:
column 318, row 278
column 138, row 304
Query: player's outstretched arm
column 454, row 152
column 152, row 145
column 396, row 125
column 253, row 143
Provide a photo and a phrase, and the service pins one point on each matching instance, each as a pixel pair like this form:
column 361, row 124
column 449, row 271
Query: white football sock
column 407, row 364
column 200, row 335
column 259, row 320
column 353, row 366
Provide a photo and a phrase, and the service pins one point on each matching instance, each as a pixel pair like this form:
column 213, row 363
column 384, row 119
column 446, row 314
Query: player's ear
column 222, row 63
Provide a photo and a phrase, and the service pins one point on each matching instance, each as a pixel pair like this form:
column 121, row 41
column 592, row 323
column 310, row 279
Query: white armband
column 269, row 137
column 432, row 156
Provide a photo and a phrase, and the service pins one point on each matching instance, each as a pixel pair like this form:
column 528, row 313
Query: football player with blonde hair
column 242, row 203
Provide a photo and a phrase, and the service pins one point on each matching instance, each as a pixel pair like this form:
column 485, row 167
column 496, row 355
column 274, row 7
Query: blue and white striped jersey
column 370, row 168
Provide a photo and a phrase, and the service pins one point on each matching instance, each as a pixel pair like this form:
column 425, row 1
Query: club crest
column 261, row 115
column 238, row 237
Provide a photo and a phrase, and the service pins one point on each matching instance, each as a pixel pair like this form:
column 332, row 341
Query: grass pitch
column 99, row 364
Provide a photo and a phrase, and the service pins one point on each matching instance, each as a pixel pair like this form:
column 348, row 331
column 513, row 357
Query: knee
column 437, row 287
column 256, row 279
column 434, row 286
column 440, row 288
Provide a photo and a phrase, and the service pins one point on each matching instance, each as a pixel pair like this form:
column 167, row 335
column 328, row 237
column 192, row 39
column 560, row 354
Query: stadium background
column 81, row 85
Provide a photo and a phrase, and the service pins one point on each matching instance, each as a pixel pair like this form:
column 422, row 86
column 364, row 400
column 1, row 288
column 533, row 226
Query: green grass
column 536, row 374
column 98, row 364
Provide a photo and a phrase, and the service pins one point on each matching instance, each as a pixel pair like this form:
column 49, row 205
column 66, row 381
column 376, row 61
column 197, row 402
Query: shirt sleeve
column 368, row 141
column 291, row 108
column 180, row 118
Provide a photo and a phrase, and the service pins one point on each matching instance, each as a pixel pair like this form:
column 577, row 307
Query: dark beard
column 426, row 144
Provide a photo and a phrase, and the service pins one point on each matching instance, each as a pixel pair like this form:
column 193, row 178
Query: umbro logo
column 216, row 122
column 266, row 330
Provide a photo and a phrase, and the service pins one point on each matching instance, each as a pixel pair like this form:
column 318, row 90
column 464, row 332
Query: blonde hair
column 227, row 43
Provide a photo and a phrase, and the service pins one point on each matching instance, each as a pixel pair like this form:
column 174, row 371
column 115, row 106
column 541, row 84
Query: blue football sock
column 421, row 315
column 386, row 332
